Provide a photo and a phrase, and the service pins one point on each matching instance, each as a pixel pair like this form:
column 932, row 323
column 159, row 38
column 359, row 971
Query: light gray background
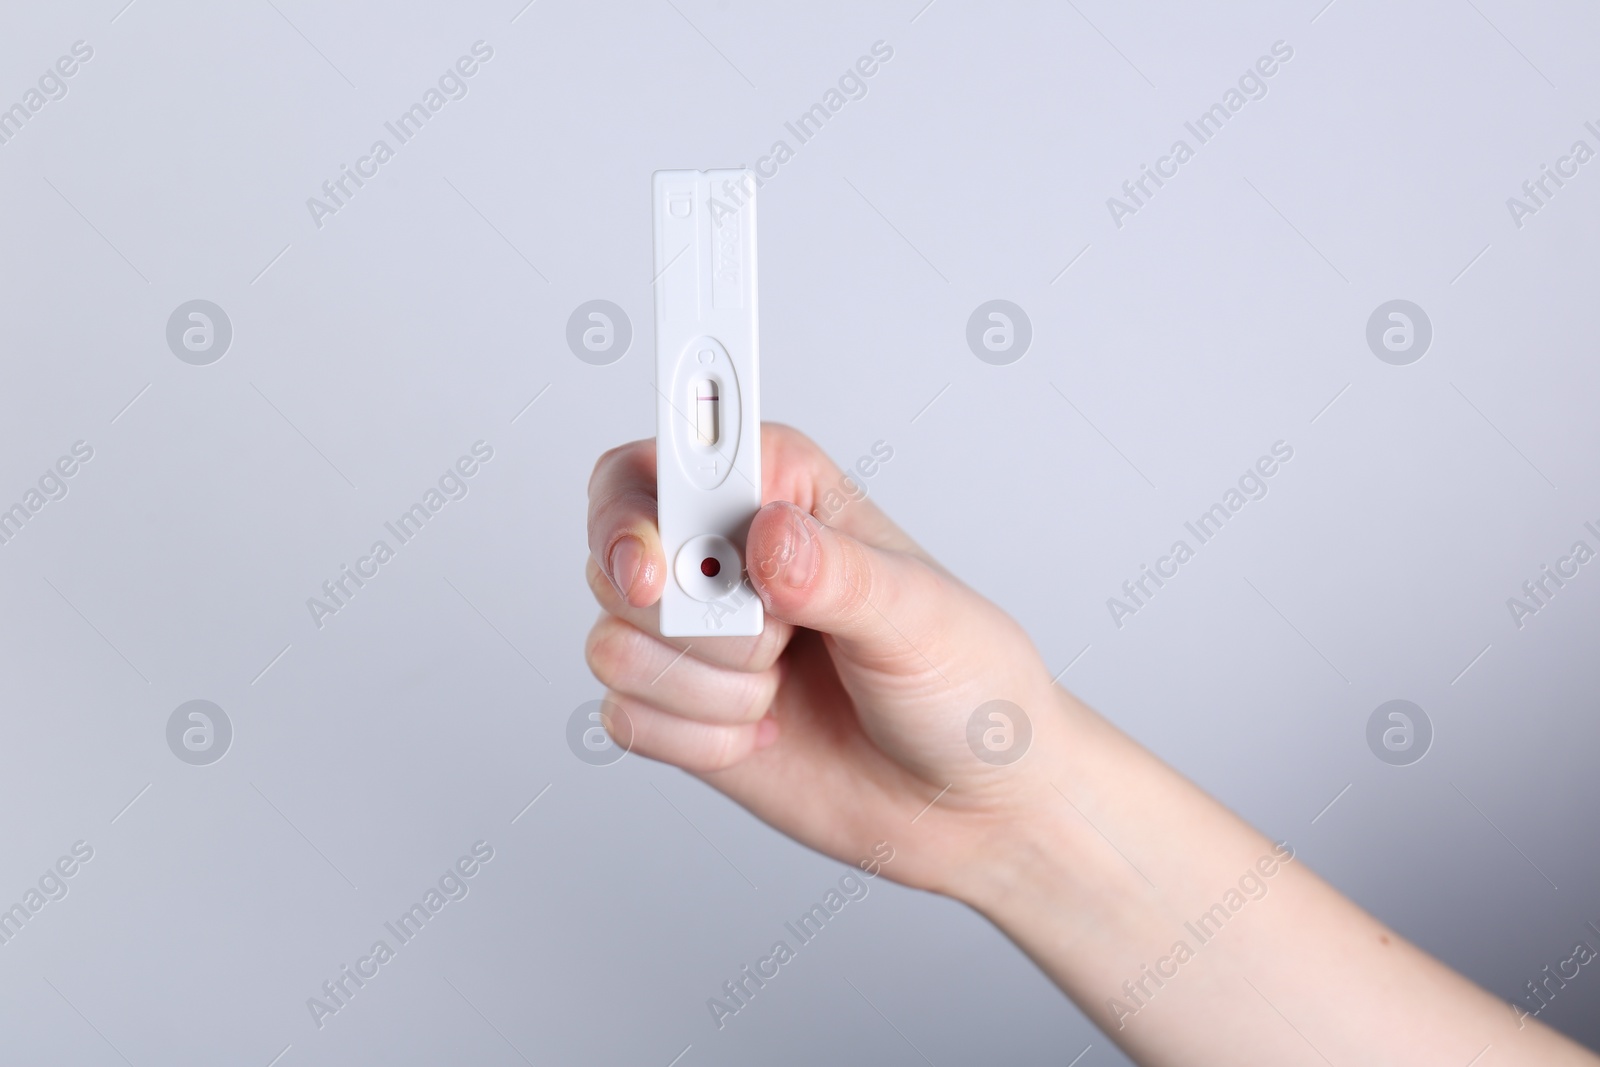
column 1225, row 316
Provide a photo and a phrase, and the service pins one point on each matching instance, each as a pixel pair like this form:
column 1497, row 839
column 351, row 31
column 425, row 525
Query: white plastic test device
column 708, row 399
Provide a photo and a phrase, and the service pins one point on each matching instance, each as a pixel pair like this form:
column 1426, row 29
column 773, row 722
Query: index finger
column 623, row 537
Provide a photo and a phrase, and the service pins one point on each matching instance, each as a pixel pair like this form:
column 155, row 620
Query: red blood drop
column 710, row 567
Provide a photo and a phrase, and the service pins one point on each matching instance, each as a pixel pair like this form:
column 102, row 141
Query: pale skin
column 847, row 718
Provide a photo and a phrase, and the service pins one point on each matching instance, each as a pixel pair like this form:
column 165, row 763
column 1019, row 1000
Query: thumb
column 883, row 608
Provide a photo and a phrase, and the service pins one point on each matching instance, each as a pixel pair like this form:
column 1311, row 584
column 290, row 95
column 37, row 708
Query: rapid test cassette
column 708, row 399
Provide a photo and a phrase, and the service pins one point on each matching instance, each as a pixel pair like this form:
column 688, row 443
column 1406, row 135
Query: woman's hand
column 848, row 716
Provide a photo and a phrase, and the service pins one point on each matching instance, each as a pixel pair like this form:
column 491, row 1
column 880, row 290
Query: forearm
column 1191, row 938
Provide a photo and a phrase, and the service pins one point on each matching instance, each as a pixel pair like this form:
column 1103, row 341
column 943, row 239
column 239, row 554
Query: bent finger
column 630, row 661
column 740, row 653
column 697, row 747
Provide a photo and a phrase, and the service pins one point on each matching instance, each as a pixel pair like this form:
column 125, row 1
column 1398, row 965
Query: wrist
column 1094, row 875
column 1046, row 848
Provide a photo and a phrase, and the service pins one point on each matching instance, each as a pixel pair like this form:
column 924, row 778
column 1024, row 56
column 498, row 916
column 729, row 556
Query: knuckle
column 599, row 584
column 618, row 724
column 610, row 458
column 789, row 441
column 759, row 692
column 764, row 651
column 726, row 747
column 781, row 435
column 598, row 666
column 619, row 510
column 857, row 580
column 608, row 649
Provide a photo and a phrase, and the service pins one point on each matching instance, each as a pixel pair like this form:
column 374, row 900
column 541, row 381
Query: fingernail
column 801, row 550
column 626, row 555
column 766, row 731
